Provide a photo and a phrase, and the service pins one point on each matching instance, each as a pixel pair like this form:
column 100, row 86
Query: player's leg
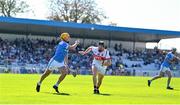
column 161, row 74
column 100, row 78
column 158, row 76
column 62, row 76
column 64, row 72
column 168, row 72
column 94, row 71
column 43, row 76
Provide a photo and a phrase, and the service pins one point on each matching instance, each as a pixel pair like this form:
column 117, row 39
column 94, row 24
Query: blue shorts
column 164, row 69
column 54, row 65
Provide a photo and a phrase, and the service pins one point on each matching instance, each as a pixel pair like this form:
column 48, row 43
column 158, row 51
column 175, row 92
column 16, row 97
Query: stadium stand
column 32, row 55
column 20, row 53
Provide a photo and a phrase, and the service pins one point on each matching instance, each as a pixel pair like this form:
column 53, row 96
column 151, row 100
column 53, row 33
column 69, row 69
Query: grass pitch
column 20, row 89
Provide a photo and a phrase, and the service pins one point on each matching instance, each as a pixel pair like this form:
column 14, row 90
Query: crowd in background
column 21, row 52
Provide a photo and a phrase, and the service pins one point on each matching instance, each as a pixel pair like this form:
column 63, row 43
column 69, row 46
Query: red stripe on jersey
column 97, row 57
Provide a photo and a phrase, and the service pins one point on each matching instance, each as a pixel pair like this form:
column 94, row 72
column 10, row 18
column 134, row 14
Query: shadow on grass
column 63, row 94
column 104, row 94
column 176, row 90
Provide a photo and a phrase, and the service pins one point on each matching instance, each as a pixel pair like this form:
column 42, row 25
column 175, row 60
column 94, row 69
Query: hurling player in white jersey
column 59, row 61
column 165, row 67
column 100, row 63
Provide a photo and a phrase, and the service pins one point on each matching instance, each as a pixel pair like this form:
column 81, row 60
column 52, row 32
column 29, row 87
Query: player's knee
column 101, row 77
column 169, row 76
column 94, row 76
column 64, row 72
column 94, row 73
column 160, row 76
column 47, row 73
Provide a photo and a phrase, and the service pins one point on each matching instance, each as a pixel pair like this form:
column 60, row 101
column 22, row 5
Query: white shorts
column 164, row 69
column 98, row 64
column 54, row 65
column 100, row 69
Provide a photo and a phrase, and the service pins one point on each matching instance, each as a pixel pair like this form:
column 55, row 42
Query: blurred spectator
column 37, row 52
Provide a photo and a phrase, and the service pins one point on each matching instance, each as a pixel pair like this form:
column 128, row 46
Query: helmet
column 101, row 43
column 64, row 35
column 174, row 49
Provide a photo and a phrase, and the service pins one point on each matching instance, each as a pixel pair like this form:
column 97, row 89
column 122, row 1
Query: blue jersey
column 61, row 51
column 167, row 59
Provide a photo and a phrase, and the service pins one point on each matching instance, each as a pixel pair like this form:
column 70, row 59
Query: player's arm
column 169, row 58
column 170, row 61
column 89, row 49
column 176, row 57
column 71, row 47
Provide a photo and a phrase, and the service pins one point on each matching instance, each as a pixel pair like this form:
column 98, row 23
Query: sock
column 57, row 84
column 39, row 83
column 95, row 87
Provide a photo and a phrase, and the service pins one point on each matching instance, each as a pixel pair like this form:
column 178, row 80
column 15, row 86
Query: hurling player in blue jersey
column 59, row 61
column 165, row 68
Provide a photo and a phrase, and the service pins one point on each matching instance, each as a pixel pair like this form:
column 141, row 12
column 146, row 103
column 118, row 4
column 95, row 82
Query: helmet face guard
column 101, row 46
column 101, row 43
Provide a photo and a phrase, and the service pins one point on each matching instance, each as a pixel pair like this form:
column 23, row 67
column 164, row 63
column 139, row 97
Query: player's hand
column 77, row 42
column 81, row 52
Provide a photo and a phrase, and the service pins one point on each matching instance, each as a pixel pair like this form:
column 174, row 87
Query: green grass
column 20, row 89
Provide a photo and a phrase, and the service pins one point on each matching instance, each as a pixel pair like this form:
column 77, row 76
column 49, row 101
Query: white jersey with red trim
column 99, row 57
